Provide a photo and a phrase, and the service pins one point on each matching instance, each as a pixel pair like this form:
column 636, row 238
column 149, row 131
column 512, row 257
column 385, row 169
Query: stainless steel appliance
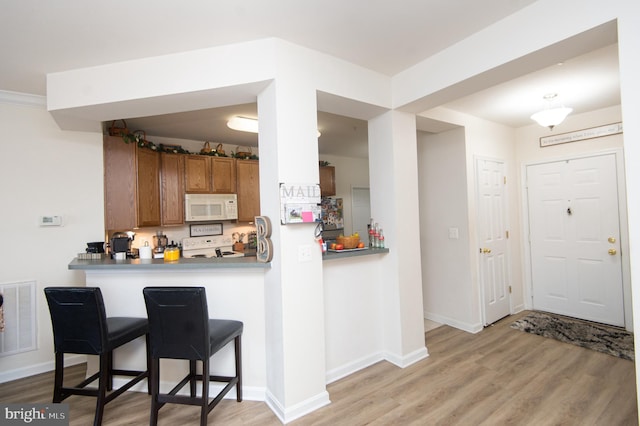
column 209, row 246
column 121, row 243
column 160, row 242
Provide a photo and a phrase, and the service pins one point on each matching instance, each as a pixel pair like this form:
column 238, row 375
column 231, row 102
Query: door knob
column 486, row 250
column 612, row 251
column 611, row 240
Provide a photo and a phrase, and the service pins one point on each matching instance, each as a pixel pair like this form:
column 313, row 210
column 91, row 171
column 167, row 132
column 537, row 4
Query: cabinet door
column 248, row 172
column 119, row 184
column 172, row 188
column 223, row 175
column 197, row 174
column 327, row 181
column 148, row 179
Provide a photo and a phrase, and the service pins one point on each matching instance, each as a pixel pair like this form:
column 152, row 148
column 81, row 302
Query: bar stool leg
column 103, row 383
column 59, row 375
column 155, row 390
column 204, row 411
column 238, row 369
column 192, row 378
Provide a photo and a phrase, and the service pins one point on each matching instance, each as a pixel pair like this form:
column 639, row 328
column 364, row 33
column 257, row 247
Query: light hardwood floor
column 499, row 376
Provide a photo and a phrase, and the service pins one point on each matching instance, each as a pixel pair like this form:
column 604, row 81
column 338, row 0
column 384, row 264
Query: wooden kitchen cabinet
column 131, row 185
column 327, row 181
column 172, row 188
column 197, row 174
column 210, row 175
column 148, row 187
column 223, row 175
column 248, row 189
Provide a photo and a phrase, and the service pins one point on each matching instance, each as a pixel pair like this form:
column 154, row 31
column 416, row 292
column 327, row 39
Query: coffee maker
column 121, row 243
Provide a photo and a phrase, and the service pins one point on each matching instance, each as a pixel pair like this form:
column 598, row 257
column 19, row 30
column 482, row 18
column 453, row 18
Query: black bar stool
column 180, row 328
column 80, row 326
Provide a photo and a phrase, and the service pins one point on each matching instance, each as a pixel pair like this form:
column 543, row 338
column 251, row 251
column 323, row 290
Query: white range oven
column 209, row 246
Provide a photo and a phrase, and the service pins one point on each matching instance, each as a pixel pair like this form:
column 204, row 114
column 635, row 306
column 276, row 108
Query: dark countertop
column 342, row 254
column 160, row 264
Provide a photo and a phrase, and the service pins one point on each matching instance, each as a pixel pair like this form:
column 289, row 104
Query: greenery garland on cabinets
column 139, row 138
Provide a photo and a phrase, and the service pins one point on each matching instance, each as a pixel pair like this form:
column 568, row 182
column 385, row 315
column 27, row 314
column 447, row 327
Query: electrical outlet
column 304, row 253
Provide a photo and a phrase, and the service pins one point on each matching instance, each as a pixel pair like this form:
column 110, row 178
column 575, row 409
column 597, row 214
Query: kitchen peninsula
column 236, row 290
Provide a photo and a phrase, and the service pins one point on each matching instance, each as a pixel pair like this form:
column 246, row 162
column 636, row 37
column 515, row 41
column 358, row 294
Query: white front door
column 492, row 235
column 575, row 239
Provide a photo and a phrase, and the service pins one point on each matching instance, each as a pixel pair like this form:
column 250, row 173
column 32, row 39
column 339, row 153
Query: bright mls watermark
column 34, row 414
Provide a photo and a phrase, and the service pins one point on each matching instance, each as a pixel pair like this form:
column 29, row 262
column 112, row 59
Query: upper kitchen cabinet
column 223, row 174
column 248, row 188
column 131, row 185
column 172, row 188
column 206, row 175
column 327, row 181
column 197, row 174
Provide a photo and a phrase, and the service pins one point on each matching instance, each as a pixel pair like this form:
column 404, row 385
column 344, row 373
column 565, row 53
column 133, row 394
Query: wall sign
column 579, row 135
column 299, row 203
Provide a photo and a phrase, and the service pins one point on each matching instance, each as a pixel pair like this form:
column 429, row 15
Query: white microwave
column 208, row 207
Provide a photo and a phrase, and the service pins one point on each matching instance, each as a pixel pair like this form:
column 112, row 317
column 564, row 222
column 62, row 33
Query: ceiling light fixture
column 244, row 124
column 551, row 116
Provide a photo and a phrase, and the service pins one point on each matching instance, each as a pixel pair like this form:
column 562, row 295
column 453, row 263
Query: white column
column 628, row 45
column 294, row 301
column 393, row 178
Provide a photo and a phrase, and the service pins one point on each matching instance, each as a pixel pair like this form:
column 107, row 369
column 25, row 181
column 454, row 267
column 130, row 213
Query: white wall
column 446, row 272
column 45, row 171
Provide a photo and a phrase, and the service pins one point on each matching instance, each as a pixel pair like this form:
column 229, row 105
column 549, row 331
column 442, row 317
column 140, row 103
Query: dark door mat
column 598, row 337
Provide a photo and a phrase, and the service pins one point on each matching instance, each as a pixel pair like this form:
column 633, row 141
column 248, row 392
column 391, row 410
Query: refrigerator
column 332, row 218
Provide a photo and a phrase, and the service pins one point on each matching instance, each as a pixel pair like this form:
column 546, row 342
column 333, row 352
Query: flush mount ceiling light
column 244, row 124
column 552, row 115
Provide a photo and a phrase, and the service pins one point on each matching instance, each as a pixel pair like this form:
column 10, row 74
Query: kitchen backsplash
column 177, row 233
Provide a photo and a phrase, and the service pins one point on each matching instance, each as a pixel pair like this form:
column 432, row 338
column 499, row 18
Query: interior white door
column 492, row 235
column 574, row 237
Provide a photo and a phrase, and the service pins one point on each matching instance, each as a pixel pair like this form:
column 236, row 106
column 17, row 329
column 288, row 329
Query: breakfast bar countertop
column 341, row 254
column 160, row 264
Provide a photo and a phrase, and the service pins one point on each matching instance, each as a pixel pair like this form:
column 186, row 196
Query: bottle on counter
column 371, row 231
column 381, row 239
column 376, row 236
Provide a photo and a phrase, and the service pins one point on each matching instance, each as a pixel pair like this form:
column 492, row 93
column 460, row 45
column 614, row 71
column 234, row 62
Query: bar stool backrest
column 178, row 322
column 78, row 318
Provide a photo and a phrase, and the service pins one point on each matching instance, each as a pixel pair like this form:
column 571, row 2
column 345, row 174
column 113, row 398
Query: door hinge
column 509, row 289
column 505, row 179
column 506, row 233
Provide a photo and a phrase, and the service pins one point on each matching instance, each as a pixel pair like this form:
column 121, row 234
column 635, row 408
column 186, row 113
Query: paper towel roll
column 145, row 252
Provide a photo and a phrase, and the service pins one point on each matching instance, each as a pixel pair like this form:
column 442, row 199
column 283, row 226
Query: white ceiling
column 39, row 37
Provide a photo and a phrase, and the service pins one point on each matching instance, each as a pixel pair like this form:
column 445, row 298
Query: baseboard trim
column 464, row 326
column 354, row 366
column 296, row 411
column 45, row 367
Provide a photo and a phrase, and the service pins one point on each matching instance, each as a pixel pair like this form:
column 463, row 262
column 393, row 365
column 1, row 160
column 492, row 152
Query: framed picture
column 205, row 229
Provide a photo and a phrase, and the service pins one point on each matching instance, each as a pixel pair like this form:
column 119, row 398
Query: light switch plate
column 453, row 234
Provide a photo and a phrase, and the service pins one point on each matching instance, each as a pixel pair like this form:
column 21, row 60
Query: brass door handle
column 486, row 250
column 611, row 240
column 613, row 251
